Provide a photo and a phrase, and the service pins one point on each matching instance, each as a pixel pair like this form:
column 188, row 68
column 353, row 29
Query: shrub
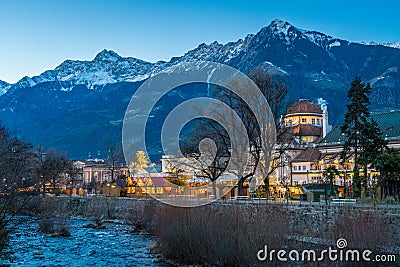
column 218, row 234
column 364, row 229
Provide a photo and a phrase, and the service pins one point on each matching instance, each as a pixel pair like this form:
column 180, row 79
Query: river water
column 114, row 246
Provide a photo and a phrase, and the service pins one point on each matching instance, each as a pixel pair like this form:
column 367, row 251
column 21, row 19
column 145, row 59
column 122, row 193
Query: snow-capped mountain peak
column 280, row 26
column 392, row 45
column 313, row 64
column 109, row 67
column 107, row 55
column 4, row 87
column 288, row 33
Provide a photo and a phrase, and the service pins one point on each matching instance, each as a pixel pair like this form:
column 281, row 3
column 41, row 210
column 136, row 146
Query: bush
column 364, row 229
column 53, row 224
column 220, row 235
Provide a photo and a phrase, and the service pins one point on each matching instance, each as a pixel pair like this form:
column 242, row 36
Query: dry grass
column 364, row 229
column 222, row 234
column 218, row 234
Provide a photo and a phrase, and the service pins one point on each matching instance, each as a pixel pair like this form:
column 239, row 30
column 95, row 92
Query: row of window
column 299, row 168
column 304, row 120
column 297, row 182
column 306, row 139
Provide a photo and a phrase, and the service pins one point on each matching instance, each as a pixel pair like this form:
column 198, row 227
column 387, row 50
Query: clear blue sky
column 38, row 35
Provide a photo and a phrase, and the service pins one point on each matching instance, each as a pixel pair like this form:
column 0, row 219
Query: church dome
column 303, row 106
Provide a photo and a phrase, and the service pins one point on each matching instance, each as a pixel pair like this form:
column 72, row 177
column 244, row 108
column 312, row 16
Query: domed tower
column 307, row 121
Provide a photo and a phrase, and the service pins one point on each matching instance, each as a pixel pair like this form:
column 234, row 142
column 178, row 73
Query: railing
column 240, row 198
column 344, row 201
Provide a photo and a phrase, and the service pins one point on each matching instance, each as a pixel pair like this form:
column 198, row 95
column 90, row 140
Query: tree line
column 24, row 170
column 364, row 141
column 367, row 146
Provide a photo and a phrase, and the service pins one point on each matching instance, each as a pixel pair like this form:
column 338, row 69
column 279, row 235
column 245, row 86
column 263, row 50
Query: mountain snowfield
column 108, row 67
column 4, row 87
column 79, row 106
column 393, row 45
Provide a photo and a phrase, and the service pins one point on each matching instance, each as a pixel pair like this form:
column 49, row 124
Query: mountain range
column 79, row 106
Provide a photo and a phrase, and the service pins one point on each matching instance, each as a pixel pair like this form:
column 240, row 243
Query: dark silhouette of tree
column 274, row 89
column 279, row 158
column 355, row 124
column 17, row 178
column 115, row 158
column 52, row 168
column 388, row 164
column 208, row 148
column 330, row 174
column 372, row 144
column 176, row 175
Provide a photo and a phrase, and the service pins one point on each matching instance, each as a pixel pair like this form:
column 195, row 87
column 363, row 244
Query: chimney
column 324, row 123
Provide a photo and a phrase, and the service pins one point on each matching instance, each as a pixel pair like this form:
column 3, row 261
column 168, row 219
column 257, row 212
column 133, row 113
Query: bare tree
column 176, row 174
column 115, row 157
column 209, row 150
column 280, row 158
column 17, row 179
column 258, row 140
column 274, row 89
column 74, row 173
column 53, row 167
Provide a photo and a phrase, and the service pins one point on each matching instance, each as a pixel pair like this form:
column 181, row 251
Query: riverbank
column 232, row 233
column 113, row 245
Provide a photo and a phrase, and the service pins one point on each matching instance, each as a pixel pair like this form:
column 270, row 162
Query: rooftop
column 307, row 130
column 311, row 154
column 304, row 106
column 389, row 123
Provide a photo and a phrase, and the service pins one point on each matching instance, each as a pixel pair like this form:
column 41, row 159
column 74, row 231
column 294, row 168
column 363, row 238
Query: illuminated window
column 310, row 139
column 303, row 139
column 159, row 190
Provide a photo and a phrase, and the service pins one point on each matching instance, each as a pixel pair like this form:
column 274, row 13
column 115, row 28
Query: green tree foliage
column 372, row 144
column 388, row 163
column 355, row 124
column 330, row 174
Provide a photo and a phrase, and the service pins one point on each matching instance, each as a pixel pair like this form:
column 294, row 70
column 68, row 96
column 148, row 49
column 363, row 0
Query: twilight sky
column 39, row 35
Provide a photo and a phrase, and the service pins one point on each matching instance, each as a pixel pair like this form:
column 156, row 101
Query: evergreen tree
column 372, row 144
column 388, row 164
column 330, row 174
column 355, row 124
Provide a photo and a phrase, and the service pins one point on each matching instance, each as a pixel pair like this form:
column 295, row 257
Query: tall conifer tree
column 355, row 123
